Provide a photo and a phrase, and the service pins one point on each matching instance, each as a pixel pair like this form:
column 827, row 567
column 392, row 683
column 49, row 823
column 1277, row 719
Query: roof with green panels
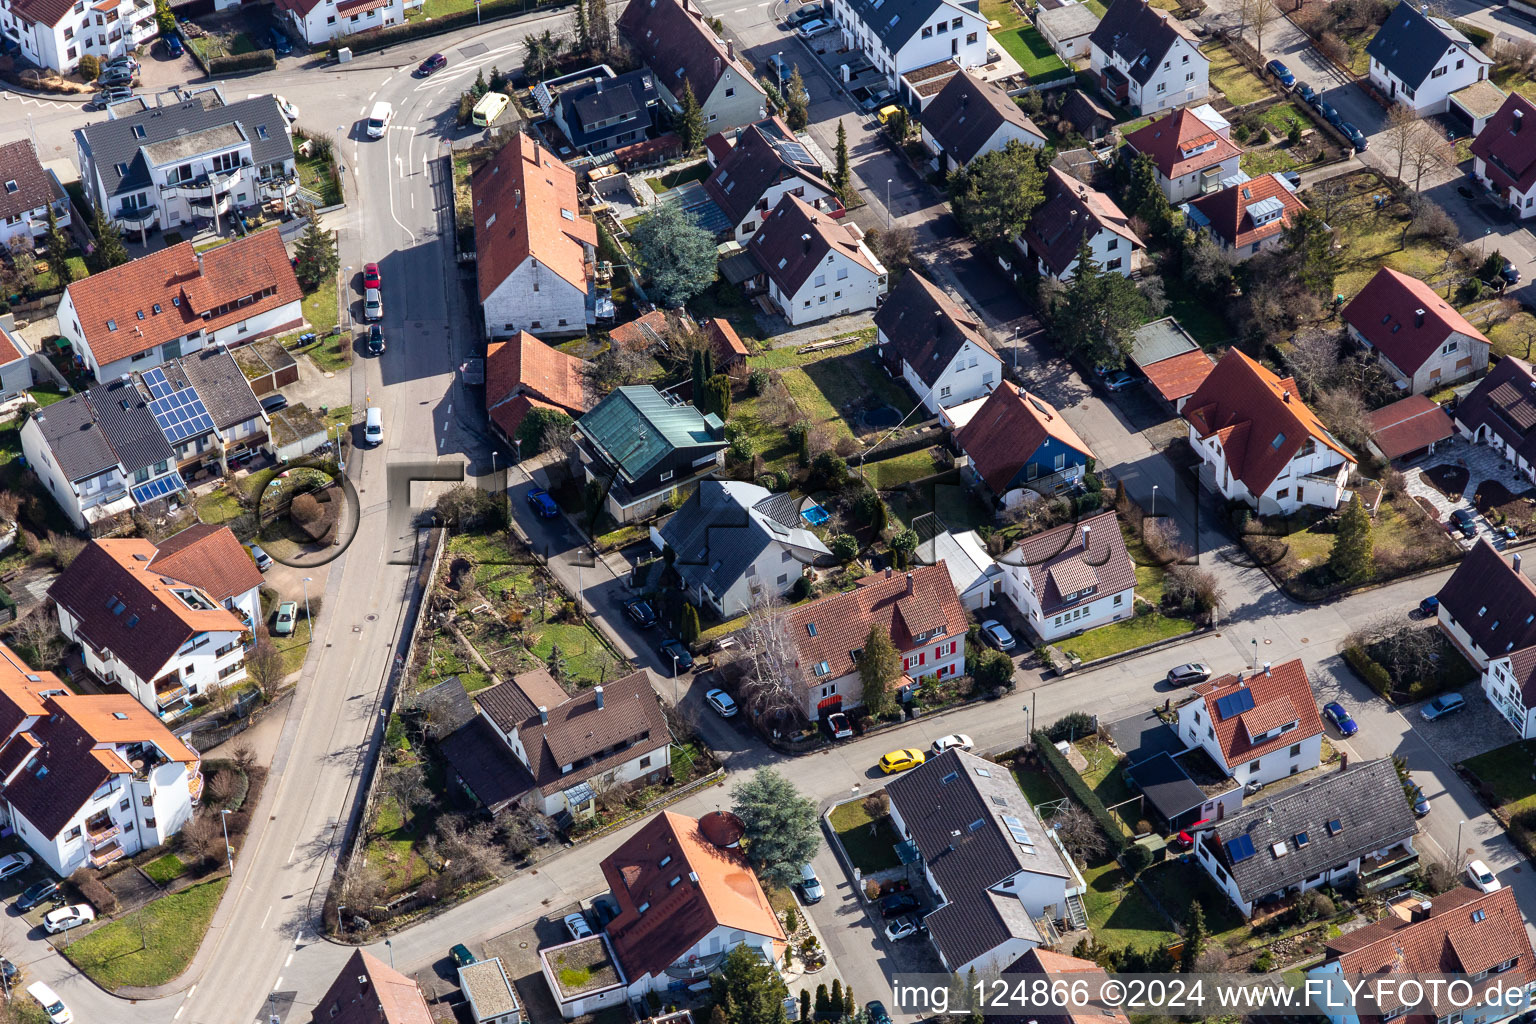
column 636, row 427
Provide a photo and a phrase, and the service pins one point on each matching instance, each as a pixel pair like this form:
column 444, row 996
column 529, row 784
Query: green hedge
column 1370, row 670
column 1073, row 785
column 256, row 60
column 490, row 10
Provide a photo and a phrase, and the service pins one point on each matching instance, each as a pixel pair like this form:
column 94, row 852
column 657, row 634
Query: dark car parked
column 38, row 894
column 281, row 44
column 173, row 46
column 1354, row 135
column 543, row 504
column 1281, row 72
column 897, row 903
column 274, row 403
column 1329, row 112
column 673, row 653
column 642, row 613
column 1306, row 92
column 1463, row 522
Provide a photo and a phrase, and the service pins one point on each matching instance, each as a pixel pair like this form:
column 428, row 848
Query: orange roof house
column 1013, row 441
column 1190, row 156
column 1249, row 216
column 522, row 374
column 1251, row 725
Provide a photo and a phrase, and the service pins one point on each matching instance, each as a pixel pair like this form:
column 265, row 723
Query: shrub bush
column 89, row 67
column 94, row 891
column 256, row 60
column 1135, row 858
column 844, row 548
column 1375, row 676
column 1071, row 726
column 1073, row 785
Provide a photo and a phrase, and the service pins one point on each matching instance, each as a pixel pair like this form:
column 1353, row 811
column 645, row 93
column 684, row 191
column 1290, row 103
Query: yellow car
column 887, row 112
column 901, row 760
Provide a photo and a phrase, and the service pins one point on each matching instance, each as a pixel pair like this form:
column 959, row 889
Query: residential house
column 672, row 38
column 1421, row 340
column 317, row 22
column 920, row 86
column 1018, row 444
column 369, row 991
column 178, row 300
column 1259, row 442
column 1191, row 158
column 1501, row 412
column 919, row 610
column 977, row 578
column 1409, row 427
column 1173, row 362
column 192, row 160
column 970, row 117
column 1073, row 212
column 29, row 191
column 604, row 111
column 734, row 541
column 1504, row 155
column 927, row 340
column 1248, row 217
column 752, row 178
column 815, row 266
column 999, row 876
column 86, row 780
column 1419, row 60
column 1146, row 59
column 161, row 639
column 522, row 374
column 536, row 746
column 809, row 156
column 1260, row 728
column 1071, row 577
column 135, row 440
column 15, row 361
column 1475, row 937
column 687, row 897
column 212, row 559
column 1068, row 29
column 534, row 250
column 1484, row 594
column 898, row 36
column 57, row 33
column 489, row 993
column 1046, row 964
column 1351, row 823
column 639, row 445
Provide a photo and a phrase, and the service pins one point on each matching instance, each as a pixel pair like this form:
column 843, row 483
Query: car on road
column 371, row 278
column 997, row 634
column 65, row 918
column 885, row 113
column 876, row 1010
column 375, row 339
column 1416, row 798
column 113, row 94
column 1120, row 380
column 373, row 304
column 901, row 760
column 577, row 925
column 809, row 12
column 956, row 739
column 810, row 886
column 1306, row 92
column 1445, row 704
column 904, row 928
column 1430, row 607
column 1292, row 178
column 173, row 46
column 1464, row 522
column 780, row 67
column 288, row 110
column 373, row 426
column 812, row 28
column 279, row 41
column 461, row 955
column 839, row 726
column 53, row 1006
column 1329, row 113
column 721, row 701
column 1281, row 72
column 1481, row 878
column 1190, row 674
column 1354, row 135
column 542, row 504
column 897, row 903
column 14, row 864
column 287, row 614
column 642, row 613
column 37, row 894
column 1335, row 713
column 261, row 558
column 431, row 66
column 675, row 654
column 1509, row 273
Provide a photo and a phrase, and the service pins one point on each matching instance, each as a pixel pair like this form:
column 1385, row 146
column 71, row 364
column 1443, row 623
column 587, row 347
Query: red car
column 1186, row 837
column 371, row 277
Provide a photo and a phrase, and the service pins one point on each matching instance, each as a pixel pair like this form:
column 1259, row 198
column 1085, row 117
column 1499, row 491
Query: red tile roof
column 1059, row 562
column 644, row 333
column 35, row 187
column 523, row 373
column 1041, row 961
column 830, row 629
column 9, row 353
column 185, row 285
column 1509, row 156
column 210, row 558
column 1172, row 142
column 1059, row 223
column 1227, row 210
column 788, row 257
column 21, row 690
column 728, row 346
column 1386, row 313
column 1281, row 695
column 1010, row 427
column 369, row 991
column 1410, row 424
column 689, row 886
column 1179, row 376
column 1249, row 408
column 525, row 205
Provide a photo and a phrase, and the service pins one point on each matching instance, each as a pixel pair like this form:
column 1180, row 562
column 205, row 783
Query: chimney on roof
column 1418, row 318
column 805, row 241
column 1343, row 761
column 1285, row 396
column 1266, row 669
column 543, row 715
column 1514, row 126
column 1424, row 9
column 889, row 572
column 598, row 692
column 909, row 582
column 1419, row 911
column 730, row 50
column 717, row 67
column 1086, row 531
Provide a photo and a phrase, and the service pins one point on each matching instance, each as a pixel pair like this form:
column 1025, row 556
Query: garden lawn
column 173, row 927
column 218, row 506
column 1507, row 771
column 1004, row 13
column 1255, row 162
column 779, row 358
column 1033, row 53
column 1107, row 781
column 672, row 179
column 315, row 175
column 332, row 353
column 1203, row 320
column 1508, row 336
column 1232, row 77
column 1038, row 787
column 1149, row 577
column 1278, row 119
column 1119, row 914
column 1370, row 238
column 46, row 396
column 889, row 473
column 869, row 844
column 392, row 847
column 1176, row 883
column 1124, row 635
column 319, row 306
column 587, row 659
column 164, row 870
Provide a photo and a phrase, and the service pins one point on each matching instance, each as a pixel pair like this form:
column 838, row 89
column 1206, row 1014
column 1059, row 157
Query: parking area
column 1480, row 463
column 1475, row 729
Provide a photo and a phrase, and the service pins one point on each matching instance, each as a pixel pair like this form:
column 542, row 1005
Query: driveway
column 1476, row 729
column 1482, row 463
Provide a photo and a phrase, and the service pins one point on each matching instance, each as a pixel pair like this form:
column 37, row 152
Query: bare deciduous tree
column 244, row 756
column 773, row 684
column 39, row 633
column 201, row 837
column 1327, row 195
column 468, row 848
column 406, row 782
column 1406, row 649
column 1079, row 833
column 365, row 887
column 1428, row 151
column 1402, row 125
column 264, row 666
column 1259, row 15
column 1346, row 415
column 1313, row 358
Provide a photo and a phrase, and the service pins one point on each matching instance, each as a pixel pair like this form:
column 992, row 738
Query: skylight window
column 139, row 313
column 810, row 627
column 951, row 777
column 1479, row 915
column 120, row 716
column 122, row 170
column 1335, row 826
column 1277, row 442
column 1302, row 839
column 11, row 186
column 984, row 773
column 111, row 325
column 822, row 668
column 156, row 308
column 1279, row 849
column 261, row 131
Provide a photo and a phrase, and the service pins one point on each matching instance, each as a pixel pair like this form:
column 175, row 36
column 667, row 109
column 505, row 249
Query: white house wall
column 1183, row 78
column 1503, row 692
column 771, row 196
column 534, row 294
column 833, row 296
column 1187, row 186
column 323, row 24
column 971, row 374
column 1432, row 96
column 1522, row 203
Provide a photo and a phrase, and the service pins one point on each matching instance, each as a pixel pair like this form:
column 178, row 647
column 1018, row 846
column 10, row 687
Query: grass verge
column 1124, row 635
column 151, row 946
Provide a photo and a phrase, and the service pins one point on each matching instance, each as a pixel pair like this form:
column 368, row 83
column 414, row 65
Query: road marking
column 277, row 986
column 289, row 960
column 180, row 1012
column 299, row 939
column 413, row 200
column 372, row 95
column 265, row 916
column 363, row 112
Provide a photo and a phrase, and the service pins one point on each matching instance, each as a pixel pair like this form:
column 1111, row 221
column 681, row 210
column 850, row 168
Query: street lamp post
column 229, row 851
column 674, row 680
column 307, row 620
column 1460, row 850
column 389, row 943
column 890, row 220
column 493, row 461
column 517, row 445
column 1015, row 351
column 1154, row 500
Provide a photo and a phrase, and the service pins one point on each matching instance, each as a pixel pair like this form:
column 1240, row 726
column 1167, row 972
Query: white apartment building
column 898, row 36
column 1418, row 60
column 57, row 33
column 27, row 190
column 1145, row 58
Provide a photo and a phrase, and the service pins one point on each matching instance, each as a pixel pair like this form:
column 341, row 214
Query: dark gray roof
column 1159, row 340
column 756, row 163
column 114, row 143
column 967, row 112
column 896, row 21
column 221, row 385
column 1366, row 800
column 123, row 415
column 34, row 187
column 447, row 706
column 77, row 443
column 1410, row 43
column 954, row 814
column 628, row 98
column 486, row 765
column 720, row 531
column 1166, row 785
column 1138, row 33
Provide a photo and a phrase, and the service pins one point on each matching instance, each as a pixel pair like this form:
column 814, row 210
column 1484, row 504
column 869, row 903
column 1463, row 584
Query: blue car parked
column 543, row 504
column 281, row 44
column 1281, row 72
column 1335, row 713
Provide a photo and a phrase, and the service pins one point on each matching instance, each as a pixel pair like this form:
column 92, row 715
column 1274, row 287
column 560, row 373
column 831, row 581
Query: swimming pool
column 815, row 514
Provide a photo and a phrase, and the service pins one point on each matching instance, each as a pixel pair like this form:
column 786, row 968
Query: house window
column 1114, row 243
column 1437, row 72
column 1119, row 599
column 1113, row 264
column 1295, row 749
column 1162, row 87
column 927, row 32
column 970, row 40
column 1282, row 494
column 74, row 834
column 730, row 92
column 645, row 762
column 944, row 392
column 667, row 475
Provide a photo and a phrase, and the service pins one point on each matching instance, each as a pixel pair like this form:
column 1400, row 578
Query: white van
column 373, row 426
column 379, row 119
column 52, row 1005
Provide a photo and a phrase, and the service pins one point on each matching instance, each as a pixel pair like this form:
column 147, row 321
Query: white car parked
column 1479, row 875
column 813, row 28
column 577, row 925
column 902, row 928
column 959, row 739
column 65, row 918
column 721, row 701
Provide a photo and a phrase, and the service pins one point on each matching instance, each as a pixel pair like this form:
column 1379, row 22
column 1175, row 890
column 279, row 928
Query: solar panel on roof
column 1239, row 849
column 180, row 413
column 1234, row 704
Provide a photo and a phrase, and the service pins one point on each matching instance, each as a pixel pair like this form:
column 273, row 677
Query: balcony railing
column 101, row 858
column 195, row 784
column 165, row 698
column 205, row 208
column 206, row 186
column 278, row 188
column 101, row 832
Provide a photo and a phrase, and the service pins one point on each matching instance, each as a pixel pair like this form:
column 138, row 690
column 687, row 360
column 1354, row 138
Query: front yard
column 1232, row 77
column 1505, row 777
column 151, row 946
column 1369, row 236
column 1125, row 635
column 870, row 843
